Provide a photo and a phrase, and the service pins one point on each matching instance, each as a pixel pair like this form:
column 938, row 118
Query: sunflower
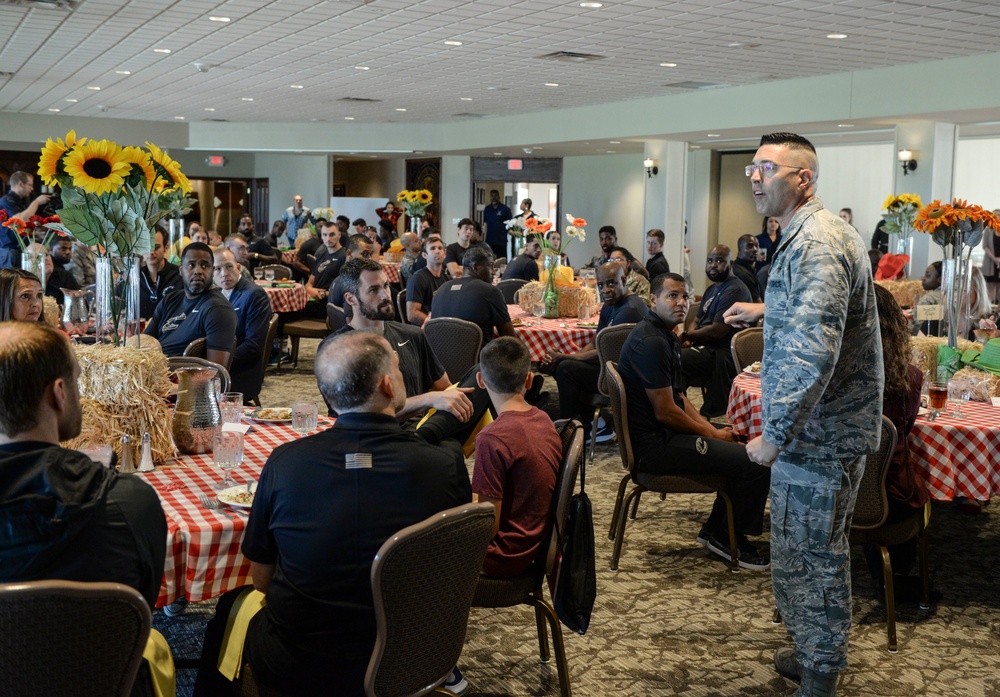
column 424, row 196
column 97, row 166
column 402, row 195
column 412, row 196
column 48, row 163
column 932, row 216
column 172, row 169
column 139, row 160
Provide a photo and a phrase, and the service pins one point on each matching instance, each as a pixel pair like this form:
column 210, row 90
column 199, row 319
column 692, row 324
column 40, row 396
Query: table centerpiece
column 900, row 211
column 415, row 202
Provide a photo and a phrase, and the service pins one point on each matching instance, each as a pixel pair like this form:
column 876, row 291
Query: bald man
column 412, row 246
column 706, row 358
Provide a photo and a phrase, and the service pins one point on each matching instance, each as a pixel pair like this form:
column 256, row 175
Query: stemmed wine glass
column 227, row 452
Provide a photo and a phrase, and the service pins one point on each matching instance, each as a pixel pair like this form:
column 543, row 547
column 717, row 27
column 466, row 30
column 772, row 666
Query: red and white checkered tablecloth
column 203, row 546
column 542, row 335
column 285, row 299
column 957, row 457
column 288, row 256
column 391, row 270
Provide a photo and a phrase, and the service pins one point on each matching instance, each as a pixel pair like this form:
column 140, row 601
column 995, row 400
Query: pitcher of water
column 196, row 415
column 76, row 310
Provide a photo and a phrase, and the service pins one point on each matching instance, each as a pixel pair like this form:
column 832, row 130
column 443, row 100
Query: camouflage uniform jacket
column 822, row 369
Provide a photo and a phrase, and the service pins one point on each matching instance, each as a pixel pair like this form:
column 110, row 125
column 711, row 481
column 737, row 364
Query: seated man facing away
column 63, row 515
column 323, row 507
column 707, row 357
column 424, row 283
column 253, row 314
column 525, row 264
column 195, row 311
column 577, row 374
column 517, row 460
column 670, row 437
column 473, row 297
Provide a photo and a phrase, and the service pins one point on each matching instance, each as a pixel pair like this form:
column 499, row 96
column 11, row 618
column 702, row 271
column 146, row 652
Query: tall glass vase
column 116, row 301
column 415, row 224
column 33, row 261
column 551, row 294
column 902, row 243
column 176, row 232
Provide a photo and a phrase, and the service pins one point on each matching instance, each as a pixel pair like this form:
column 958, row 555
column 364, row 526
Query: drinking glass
column 958, row 392
column 101, row 453
column 538, row 309
column 304, row 417
column 937, row 397
column 231, row 407
column 227, row 452
column 258, row 273
column 269, row 275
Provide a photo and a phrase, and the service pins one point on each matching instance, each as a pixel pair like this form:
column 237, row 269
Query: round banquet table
column 956, row 457
column 391, row 270
column 287, row 299
column 203, row 546
column 563, row 335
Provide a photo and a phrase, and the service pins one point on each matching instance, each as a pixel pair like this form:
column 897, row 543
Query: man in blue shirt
column 295, row 217
column 495, row 215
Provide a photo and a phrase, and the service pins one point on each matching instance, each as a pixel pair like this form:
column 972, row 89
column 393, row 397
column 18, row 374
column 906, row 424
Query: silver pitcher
column 196, row 416
column 76, row 310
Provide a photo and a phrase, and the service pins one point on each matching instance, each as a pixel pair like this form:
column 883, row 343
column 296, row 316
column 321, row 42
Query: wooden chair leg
column 890, row 600
column 620, row 529
column 618, row 505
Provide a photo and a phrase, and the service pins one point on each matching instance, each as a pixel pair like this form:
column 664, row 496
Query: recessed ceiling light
column 734, row 44
column 836, row 36
column 668, row 65
column 123, row 72
column 452, row 43
column 54, row 109
column 491, row 88
column 400, row 109
column 551, row 84
column 612, row 152
column 845, row 125
column 246, row 99
column 179, row 118
column 348, row 118
column 591, row 5
column 713, row 135
column 297, row 87
column 361, row 67
column 208, row 108
column 615, row 142
column 466, row 99
column 93, row 87
column 696, row 147
column 72, row 101
column 161, row 50
column 219, row 19
column 498, row 154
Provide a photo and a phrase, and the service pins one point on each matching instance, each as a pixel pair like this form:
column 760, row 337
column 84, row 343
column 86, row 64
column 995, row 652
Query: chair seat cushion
column 309, row 328
column 504, row 592
column 678, row 484
column 890, row 533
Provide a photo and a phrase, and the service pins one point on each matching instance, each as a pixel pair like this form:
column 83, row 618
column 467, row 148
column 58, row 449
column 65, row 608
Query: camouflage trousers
column 811, row 566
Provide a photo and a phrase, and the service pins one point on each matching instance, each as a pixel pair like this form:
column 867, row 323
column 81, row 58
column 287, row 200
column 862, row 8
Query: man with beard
column 195, row 311
column 61, row 251
column 745, row 267
column 525, row 265
column 706, row 358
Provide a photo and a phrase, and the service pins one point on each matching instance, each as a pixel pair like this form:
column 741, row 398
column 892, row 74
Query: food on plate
column 517, row 322
column 279, row 414
column 586, row 324
column 238, row 497
column 753, row 368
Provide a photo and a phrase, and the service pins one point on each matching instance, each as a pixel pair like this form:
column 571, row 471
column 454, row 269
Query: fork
column 213, row 505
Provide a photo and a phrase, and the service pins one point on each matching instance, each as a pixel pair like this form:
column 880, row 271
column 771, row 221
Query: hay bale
column 906, row 292
column 123, row 390
column 569, row 297
column 925, row 350
column 982, row 385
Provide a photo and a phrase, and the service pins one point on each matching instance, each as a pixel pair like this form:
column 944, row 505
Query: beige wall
column 737, row 214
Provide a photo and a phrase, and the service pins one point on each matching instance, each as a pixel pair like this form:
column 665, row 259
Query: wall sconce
column 651, row 169
column 906, row 159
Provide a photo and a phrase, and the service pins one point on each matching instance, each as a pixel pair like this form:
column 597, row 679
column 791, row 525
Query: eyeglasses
column 766, row 169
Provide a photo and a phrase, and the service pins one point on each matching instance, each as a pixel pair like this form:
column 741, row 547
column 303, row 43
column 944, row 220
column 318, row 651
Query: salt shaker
column 146, row 461
column 127, row 465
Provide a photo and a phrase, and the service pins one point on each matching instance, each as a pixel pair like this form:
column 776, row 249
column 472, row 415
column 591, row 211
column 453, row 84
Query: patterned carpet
column 674, row 621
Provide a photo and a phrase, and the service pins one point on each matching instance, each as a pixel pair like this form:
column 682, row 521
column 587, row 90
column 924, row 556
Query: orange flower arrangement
column 946, row 216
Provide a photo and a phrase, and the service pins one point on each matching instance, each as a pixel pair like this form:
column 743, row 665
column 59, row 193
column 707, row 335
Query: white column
column 664, row 198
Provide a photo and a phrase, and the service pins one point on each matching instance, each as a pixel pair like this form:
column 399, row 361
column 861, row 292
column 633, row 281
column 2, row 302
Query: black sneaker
column 750, row 557
column 606, row 432
column 787, row 664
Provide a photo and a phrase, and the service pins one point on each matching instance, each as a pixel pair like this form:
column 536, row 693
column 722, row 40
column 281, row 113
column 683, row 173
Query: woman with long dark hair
column 21, row 296
column 768, row 239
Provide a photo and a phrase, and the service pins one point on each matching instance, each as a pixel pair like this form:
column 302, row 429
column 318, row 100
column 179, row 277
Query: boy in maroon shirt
column 517, row 460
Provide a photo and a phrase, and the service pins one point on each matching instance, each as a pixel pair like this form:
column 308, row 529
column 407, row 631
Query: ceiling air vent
column 695, row 85
column 5, row 75
column 571, row 57
column 358, row 99
column 65, row 5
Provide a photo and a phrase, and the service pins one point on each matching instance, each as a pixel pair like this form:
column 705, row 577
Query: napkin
column 237, row 428
column 996, row 401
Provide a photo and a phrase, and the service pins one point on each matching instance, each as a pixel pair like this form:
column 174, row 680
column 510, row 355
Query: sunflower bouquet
column 415, row 202
column 955, row 223
column 112, row 195
column 900, row 211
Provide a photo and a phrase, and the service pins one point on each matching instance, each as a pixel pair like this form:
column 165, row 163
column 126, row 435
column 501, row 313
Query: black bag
column 576, row 576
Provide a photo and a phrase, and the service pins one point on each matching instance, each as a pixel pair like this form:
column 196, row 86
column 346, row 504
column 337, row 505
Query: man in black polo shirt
column 525, row 264
column 260, row 251
column 576, row 374
column 61, row 251
column 745, row 266
column 670, row 437
column 195, row 311
column 324, row 506
column 706, row 357
column 328, row 262
column 455, row 252
column 157, row 277
column 424, row 283
column 656, row 263
column 474, row 298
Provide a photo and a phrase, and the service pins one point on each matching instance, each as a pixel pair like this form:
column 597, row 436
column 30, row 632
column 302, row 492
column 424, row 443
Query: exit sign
column 513, row 164
column 216, row 161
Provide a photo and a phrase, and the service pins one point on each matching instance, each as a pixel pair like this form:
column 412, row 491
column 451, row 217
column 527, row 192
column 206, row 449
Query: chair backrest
column 272, row 334
column 455, row 342
column 401, row 306
column 573, row 448
column 196, row 348
column 423, row 580
column 281, row 272
column 609, row 343
column 747, row 346
column 69, row 638
column 872, row 505
column 335, row 318
column 619, row 410
column 509, row 287
column 175, row 362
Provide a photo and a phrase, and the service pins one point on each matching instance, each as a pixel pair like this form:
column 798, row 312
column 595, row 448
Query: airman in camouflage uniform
column 822, row 399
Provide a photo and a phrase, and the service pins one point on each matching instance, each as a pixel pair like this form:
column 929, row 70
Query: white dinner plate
column 237, row 497
column 260, row 415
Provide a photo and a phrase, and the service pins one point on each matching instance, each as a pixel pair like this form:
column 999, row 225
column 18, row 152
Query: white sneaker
column 456, row 682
